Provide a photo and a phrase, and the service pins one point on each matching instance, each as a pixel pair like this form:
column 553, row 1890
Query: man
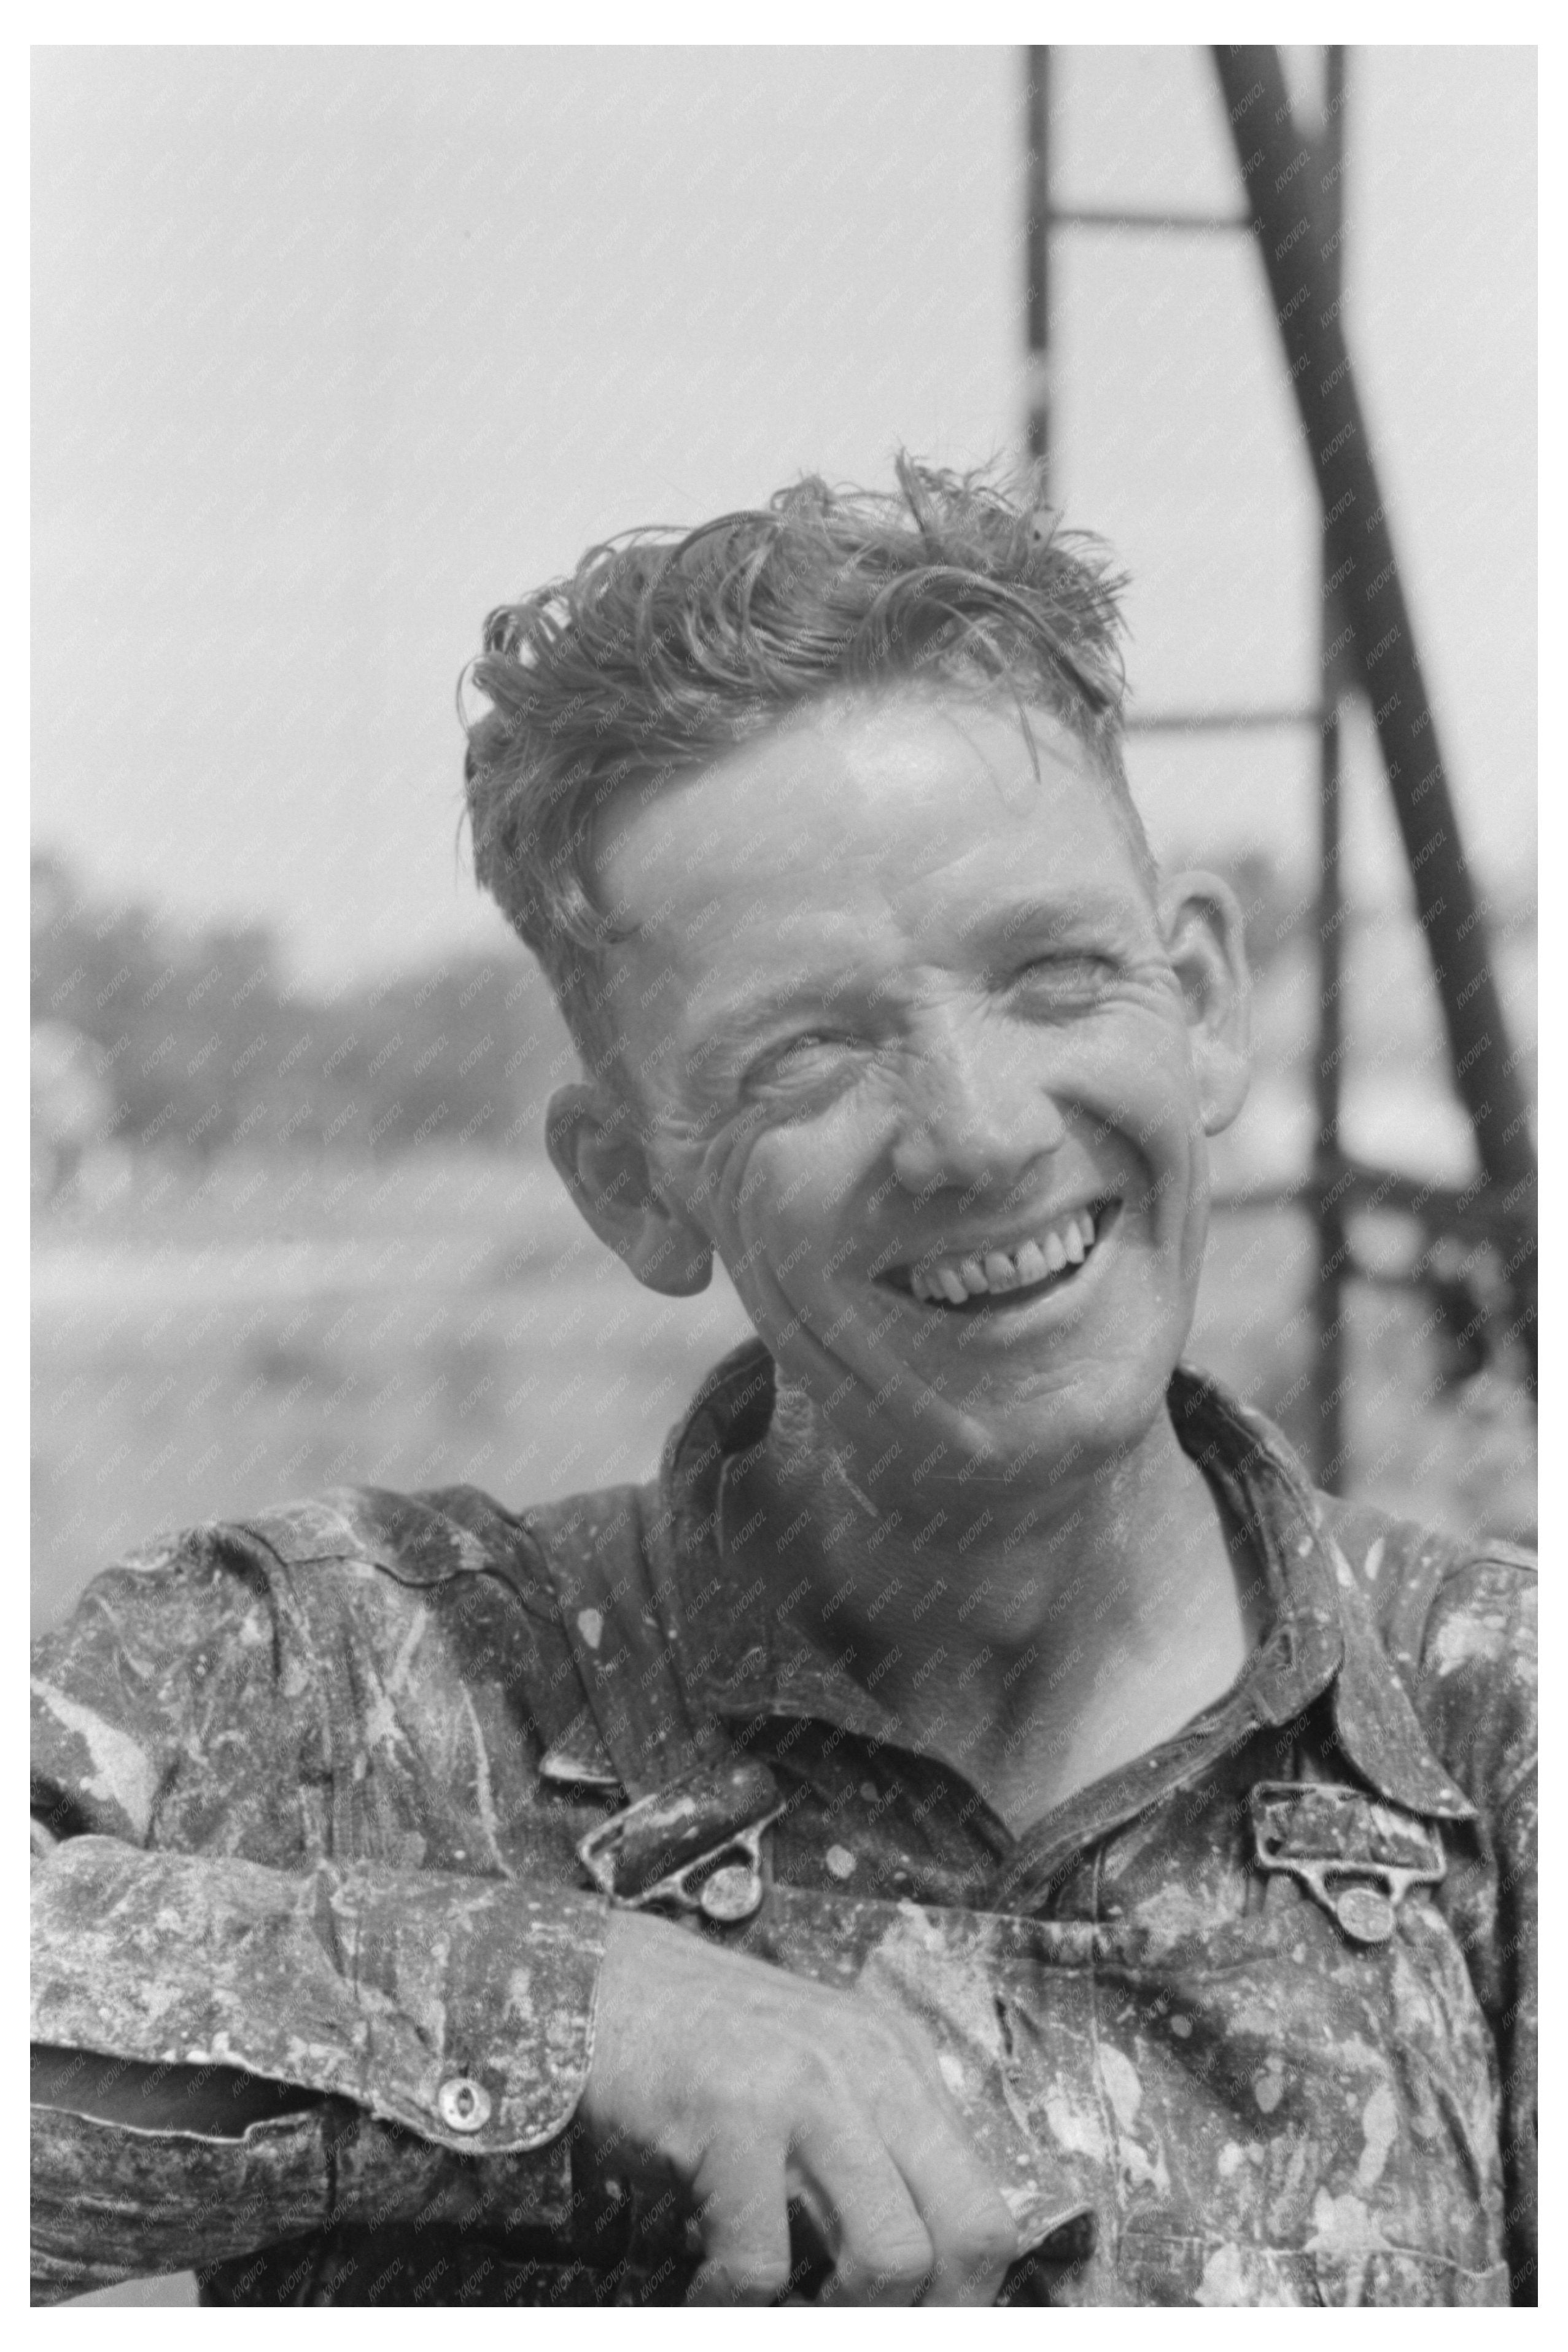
column 977, row 1826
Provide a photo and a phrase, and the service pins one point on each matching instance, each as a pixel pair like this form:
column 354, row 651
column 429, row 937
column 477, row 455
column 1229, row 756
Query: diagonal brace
column 1279, row 170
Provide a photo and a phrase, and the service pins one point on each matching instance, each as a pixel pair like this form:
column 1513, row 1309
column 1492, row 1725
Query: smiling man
column 977, row 1826
column 923, row 1054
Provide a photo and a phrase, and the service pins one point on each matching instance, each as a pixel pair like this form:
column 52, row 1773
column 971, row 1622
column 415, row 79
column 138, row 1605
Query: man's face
column 916, row 1051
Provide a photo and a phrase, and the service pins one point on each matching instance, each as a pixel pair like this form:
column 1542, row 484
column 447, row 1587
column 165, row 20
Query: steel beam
column 1333, row 1250
column 1278, row 168
column 1037, row 248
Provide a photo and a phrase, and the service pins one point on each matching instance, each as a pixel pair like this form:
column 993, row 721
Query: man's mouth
column 983, row 1280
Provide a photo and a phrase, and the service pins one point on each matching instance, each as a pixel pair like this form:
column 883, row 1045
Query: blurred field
column 268, row 1332
column 204, row 1346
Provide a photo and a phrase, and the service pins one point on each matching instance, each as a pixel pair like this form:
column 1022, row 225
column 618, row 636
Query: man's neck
column 1037, row 1635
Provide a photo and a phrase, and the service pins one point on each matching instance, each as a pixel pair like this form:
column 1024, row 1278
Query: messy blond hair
column 665, row 648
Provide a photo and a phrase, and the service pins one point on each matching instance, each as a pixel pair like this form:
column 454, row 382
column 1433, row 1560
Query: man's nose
column 971, row 1111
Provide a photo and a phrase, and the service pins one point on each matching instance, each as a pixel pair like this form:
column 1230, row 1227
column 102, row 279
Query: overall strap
column 592, row 1549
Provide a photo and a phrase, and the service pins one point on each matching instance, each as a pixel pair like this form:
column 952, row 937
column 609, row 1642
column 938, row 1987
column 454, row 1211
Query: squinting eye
column 1070, row 971
column 802, row 1057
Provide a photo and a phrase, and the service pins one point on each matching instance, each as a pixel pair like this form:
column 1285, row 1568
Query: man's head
column 666, row 649
column 902, row 1023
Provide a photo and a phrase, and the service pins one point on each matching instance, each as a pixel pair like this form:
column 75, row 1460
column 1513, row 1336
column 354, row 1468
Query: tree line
column 198, row 1045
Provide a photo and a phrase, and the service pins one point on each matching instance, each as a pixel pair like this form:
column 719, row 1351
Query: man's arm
column 230, row 2056
column 1476, row 1696
column 144, row 2170
column 235, row 2050
column 413, row 2017
column 1518, row 2030
column 141, row 2170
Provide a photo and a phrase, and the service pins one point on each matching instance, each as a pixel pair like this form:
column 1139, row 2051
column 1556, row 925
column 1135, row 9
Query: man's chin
column 1017, row 1411
column 1034, row 1426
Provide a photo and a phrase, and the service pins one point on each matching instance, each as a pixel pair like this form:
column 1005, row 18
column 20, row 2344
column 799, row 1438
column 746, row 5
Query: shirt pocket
column 1155, row 2268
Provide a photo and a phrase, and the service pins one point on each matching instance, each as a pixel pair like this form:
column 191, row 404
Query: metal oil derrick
column 1293, row 182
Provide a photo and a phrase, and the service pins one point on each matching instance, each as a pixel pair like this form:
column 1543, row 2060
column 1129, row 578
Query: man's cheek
column 776, row 1255
column 705, row 1172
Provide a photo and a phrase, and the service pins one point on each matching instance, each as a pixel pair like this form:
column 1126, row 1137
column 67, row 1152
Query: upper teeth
column 954, row 1279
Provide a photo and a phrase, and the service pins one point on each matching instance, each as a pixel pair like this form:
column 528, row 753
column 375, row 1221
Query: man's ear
column 1204, row 933
column 603, row 1162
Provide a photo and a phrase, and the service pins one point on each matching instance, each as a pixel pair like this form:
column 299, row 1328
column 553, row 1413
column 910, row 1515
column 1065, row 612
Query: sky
column 333, row 350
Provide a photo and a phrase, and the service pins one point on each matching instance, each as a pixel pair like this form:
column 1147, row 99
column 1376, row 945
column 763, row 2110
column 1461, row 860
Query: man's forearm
column 232, row 2055
column 138, row 2172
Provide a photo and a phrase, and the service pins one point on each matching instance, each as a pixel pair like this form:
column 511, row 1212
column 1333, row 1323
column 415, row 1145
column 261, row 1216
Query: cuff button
column 463, row 2104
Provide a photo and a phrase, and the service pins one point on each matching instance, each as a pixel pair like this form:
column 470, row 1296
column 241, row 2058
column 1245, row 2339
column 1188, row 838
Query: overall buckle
column 695, row 1844
column 1356, row 1857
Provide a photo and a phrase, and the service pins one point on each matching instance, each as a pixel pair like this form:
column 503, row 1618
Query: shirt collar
column 741, row 1655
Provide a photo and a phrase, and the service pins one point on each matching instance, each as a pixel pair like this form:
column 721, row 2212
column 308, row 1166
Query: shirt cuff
column 111, row 2201
column 459, row 2008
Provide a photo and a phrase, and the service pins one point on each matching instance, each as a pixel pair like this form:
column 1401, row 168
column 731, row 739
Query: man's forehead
column 885, row 789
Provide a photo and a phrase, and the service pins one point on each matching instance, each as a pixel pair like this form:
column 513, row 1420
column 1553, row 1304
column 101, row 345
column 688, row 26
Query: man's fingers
column 973, row 2235
column 881, row 2248
column 744, row 2085
column 975, row 2242
column 742, row 2210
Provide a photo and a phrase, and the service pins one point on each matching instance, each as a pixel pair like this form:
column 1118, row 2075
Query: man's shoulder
column 1406, row 1571
column 1408, row 1576
column 348, row 1538
column 422, row 1538
column 308, row 1605
column 1456, row 1617
column 434, row 1535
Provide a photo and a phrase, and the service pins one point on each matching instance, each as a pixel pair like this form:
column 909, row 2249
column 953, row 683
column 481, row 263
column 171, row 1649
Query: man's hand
column 752, row 2088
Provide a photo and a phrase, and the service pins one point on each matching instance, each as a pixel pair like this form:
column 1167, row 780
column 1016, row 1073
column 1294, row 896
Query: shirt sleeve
column 1478, row 1695
column 113, row 2200
column 186, row 1917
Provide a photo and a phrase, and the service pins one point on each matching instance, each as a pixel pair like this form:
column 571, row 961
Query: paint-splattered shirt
column 309, row 1792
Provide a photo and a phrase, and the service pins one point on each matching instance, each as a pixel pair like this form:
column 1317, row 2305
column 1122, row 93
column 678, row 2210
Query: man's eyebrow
column 1082, row 909
column 739, row 1018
